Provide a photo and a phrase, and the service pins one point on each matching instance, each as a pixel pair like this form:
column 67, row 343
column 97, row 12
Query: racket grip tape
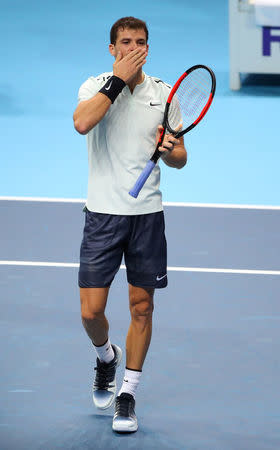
column 142, row 179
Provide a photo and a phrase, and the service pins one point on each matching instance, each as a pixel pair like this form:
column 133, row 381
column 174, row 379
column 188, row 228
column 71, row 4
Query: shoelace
column 123, row 405
column 104, row 375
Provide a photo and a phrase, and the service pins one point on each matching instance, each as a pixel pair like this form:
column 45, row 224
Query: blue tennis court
column 218, row 389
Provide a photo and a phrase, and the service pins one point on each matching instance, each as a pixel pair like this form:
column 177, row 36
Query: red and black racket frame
column 157, row 154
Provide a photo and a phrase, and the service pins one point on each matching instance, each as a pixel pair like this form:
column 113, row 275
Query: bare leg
column 93, row 304
column 140, row 330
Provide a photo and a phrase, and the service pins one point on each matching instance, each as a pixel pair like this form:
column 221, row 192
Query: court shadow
column 261, row 79
column 259, row 85
column 252, row 85
column 145, row 437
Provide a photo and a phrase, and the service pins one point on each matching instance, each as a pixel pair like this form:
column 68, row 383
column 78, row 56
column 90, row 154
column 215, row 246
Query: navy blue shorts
column 140, row 239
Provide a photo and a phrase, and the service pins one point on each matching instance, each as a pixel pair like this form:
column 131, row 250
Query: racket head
column 190, row 97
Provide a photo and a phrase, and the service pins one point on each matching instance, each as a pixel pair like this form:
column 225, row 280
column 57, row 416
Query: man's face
column 128, row 40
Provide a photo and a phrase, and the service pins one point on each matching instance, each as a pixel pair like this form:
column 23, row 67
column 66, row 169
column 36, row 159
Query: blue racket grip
column 142, row 179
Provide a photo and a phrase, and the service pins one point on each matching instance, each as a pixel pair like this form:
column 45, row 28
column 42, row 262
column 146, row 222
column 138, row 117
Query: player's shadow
column 144, row 438
column 102, row 417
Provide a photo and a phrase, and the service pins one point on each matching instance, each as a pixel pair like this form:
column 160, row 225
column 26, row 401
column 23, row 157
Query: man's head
column 128, row 34
column 130, row 23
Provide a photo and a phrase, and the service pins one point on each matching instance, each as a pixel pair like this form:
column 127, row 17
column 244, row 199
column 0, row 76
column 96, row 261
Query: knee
column 90, row 312
column 88, row 315
column 141, row 309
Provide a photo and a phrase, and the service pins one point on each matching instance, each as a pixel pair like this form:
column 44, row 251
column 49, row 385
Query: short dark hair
column 127, row 22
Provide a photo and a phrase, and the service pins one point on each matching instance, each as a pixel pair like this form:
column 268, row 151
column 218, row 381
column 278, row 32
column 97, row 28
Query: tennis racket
column 187, row 103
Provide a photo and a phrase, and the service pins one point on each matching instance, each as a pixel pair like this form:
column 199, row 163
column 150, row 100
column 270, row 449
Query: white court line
column 220, row 205
column 38, row 264
column 44, row 199
column 178, row 204
column 169, row 268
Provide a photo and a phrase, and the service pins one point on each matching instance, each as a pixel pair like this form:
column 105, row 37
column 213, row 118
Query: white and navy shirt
column 121, row 144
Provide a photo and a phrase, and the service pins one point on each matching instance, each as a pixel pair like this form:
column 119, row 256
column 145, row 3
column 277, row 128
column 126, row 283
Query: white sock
column 130, row 381
column 105, row 352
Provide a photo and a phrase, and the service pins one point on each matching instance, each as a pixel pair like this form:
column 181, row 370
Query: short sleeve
column 174, row 114
column 88, row 89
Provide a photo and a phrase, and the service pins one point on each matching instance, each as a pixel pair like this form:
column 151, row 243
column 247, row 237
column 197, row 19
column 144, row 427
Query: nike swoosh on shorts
column 160, row 278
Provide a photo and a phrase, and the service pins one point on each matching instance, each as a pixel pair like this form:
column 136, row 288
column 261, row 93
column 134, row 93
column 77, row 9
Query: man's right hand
column 89, row 112
column 126, row 67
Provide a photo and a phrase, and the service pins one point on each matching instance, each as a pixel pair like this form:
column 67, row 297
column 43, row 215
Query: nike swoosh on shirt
column 107, row 88
column 155, row 103
column 160, row 278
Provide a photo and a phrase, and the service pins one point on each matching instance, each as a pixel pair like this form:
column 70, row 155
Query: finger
column 171, row 136
column 140, row 63
column 133, row 54
column 168, row 145
column 180, row 126
column 160, row 131
column 159, row 134
column 119, row 56
column 140, row 54
column 141, row 57
column 172, row 139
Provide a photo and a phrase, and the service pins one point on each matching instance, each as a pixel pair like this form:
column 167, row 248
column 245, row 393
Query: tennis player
column 121, row 112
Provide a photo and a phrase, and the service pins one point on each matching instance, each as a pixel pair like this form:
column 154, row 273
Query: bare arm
column 173, row 150
column 177, row 157
column 89, row 112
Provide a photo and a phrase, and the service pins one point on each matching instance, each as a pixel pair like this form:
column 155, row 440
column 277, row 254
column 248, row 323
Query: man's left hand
column 169, row 140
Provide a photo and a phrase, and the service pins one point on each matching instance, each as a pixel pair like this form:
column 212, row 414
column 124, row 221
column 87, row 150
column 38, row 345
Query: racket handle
column 142, row 179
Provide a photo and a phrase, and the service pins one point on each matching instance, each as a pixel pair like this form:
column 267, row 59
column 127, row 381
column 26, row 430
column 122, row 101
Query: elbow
column 80, row 127
column 182, row 163
column 180, row 166
column 181, row 157
column 82, row 131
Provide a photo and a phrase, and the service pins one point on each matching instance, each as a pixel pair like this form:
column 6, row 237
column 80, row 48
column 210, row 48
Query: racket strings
column 190, row 98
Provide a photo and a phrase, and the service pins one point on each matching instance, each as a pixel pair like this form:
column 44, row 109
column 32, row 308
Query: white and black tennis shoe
column 125, row 420
column 104, row 386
